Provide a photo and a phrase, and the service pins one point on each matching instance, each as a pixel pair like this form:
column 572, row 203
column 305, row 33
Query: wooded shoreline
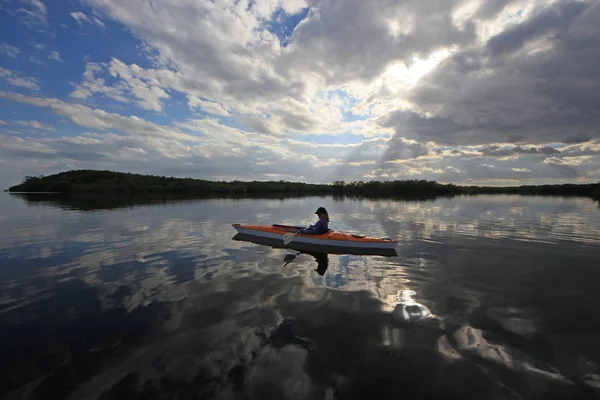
column 93, row 181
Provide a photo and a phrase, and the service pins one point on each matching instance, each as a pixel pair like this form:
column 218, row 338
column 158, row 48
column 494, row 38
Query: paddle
column 288, row 237
column 289, row 258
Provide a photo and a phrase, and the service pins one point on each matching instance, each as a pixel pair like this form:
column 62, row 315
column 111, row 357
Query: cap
column 321, row 210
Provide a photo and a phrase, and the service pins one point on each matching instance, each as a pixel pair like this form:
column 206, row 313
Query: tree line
column 93, row 181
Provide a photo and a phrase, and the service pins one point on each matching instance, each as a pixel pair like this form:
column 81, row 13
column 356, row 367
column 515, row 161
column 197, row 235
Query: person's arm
column 318, row 228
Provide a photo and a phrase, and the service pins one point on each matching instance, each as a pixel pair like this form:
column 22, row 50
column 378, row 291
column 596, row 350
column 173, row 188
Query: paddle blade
column 288, row 259
column 288, row 237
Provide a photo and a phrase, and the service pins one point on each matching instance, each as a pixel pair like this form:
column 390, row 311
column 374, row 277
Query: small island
column 93, row 181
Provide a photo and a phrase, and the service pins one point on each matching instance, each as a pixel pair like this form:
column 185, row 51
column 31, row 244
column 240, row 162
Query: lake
column 490, row 297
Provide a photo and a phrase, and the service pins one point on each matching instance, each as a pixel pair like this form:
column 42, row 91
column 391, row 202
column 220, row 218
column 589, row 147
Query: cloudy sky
column 489, row 92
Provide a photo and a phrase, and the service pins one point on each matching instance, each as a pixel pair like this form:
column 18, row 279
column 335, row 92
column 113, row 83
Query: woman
column 322, row 224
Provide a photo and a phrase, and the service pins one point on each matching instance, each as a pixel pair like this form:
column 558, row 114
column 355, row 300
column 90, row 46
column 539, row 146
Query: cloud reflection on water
column 159, row 300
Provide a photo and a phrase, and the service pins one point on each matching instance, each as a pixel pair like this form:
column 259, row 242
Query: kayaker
column 321, row 226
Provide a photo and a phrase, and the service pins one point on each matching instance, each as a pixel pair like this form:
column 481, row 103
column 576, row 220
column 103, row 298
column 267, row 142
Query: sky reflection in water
column 491, row 297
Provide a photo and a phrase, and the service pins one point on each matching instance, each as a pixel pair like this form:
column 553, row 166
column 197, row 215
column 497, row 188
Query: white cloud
column 100, row 119
column 242, row 68
column 16, row 79
column 82, row 18
column 223, row 152
column 9, row 50
column 24, row 82
column 210, row 107
column 79, row 17
column 145, row 92
column 54, row 55
column 35, row 125
column 20, row 146
column 567, row 160
column 98, row 22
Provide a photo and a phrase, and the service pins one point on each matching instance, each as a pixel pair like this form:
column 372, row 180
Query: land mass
column 93, row 181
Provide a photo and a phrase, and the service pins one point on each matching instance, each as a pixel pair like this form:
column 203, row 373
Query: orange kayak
column 332, row 241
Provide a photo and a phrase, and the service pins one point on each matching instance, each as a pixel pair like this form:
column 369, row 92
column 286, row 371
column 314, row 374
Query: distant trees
column 82, row 181
column 387, row 188
column 92, row 181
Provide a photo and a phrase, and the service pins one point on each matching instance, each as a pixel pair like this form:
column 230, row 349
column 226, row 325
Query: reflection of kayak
column 329, row 242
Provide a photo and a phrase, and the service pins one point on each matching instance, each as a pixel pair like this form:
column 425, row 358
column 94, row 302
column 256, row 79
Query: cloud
column 210, row 107
column 245, row 67
column 399, row 148
column 100, row 119
column 92, row 85
column 354, row 90
column 145, row 92
column 82, row 18
column 24, row 82
column 577, row 138
column 567, row 160
column 54, row 55
column 16, row 79
column 35, row 125
column 98, row 22
column 210, row 149
column 359, row 41
column 11, row 51
column 79, row 17
column 547, row 20
column 149, row 88
column 542, row 90
column 498, row 151
column 45, row 52
column 31, row 13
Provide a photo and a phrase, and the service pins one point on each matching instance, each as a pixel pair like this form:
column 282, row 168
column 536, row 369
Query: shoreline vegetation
column 94, row 181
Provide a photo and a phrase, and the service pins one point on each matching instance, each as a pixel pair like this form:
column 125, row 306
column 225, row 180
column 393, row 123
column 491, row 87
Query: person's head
column 322, row 213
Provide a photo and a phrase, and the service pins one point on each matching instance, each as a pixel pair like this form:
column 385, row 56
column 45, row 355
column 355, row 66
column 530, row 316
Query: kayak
column 330, row 242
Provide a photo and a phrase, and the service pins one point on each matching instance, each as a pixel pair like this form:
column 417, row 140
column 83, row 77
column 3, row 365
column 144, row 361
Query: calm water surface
column 491, row 297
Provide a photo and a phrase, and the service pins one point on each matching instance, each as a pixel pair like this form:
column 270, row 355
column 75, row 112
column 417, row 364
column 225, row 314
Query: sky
column 496, row 92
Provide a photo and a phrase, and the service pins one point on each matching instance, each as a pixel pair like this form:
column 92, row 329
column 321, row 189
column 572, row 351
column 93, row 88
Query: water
column 491, row 297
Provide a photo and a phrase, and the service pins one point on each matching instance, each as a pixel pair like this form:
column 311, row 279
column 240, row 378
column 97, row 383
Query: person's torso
column 321, row 226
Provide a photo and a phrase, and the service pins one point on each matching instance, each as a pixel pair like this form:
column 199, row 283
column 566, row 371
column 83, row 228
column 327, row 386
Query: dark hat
column 321, row 210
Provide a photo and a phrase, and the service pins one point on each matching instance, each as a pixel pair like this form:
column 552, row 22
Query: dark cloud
column 577, row 138
column 497, row 151
column 489, row 9
column 565, row 171
column 401, row 149
column 542, row 95
column 558, row 17
column 356, row 39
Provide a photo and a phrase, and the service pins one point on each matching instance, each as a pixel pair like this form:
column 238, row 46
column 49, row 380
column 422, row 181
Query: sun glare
column 399, row 74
